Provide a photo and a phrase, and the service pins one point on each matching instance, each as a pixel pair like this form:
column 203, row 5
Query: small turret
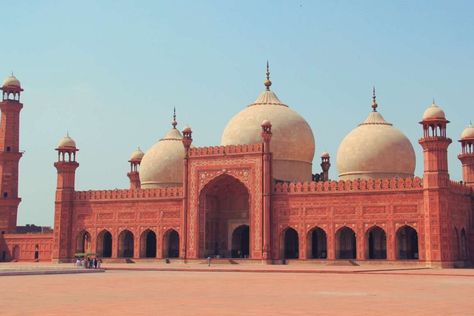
column 467, row 155
column 325, row 165
column 134, row 176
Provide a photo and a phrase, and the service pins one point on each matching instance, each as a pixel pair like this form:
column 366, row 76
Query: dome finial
column 374, row 100
column 268, row 83
column 174, row 123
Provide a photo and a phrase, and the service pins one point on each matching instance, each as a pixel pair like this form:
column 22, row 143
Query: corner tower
column 9, row 153
column 66, row 166
column 467, row 155
column 437, row 225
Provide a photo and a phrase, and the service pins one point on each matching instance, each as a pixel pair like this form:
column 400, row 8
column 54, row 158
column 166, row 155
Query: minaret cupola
column 11, row 89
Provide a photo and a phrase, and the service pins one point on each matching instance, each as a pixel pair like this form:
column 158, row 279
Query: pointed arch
column 316, row 242
column 125, row 244
column 104, row 244
column 345, row 243
column 376, row 243
column 224, row 204
column 171, row 244
column 407, row 243
column 83, row 242
column 240, row 242
column 289, row 243
column 148, row 244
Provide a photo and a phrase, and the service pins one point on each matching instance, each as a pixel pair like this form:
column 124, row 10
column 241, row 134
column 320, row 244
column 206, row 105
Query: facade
column 254, row 197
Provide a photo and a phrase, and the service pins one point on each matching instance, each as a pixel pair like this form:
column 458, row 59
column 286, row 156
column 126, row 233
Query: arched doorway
column 37, row 252
column 317, row 244
column 125, row 244
column 457, row 245
column 171, row 244
column 83, row 242
column 345, row 243
column 16, row 253
column 290, row 244
column 240, row 242
column 104, row 244
column 407, row 243
column 148, row 244
column 463, row 245
column 223, row 204
column 376, row 243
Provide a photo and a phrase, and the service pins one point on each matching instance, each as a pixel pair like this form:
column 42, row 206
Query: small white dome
column 67, row 143
column 11, row 81
column 292, row 144
column 375, row 149
column 434, row 112
column 162, row 164
column 325, row 154
column 137, row 155
column 468, row 132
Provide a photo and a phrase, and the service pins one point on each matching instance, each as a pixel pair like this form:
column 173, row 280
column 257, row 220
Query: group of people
column 88, row 263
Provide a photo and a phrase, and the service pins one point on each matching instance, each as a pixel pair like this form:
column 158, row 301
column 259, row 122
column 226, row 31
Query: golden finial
column 268, row 83
column 174, row 123
column 374, row 100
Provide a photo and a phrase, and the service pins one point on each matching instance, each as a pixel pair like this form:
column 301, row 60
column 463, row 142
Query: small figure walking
column 209, row 261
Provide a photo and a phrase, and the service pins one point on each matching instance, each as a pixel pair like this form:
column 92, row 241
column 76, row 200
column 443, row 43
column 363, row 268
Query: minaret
column 436, row 186
column 467, row 155
column 267, row 187
column 187, row 141
column 9, row 153
column 66, row 165
column 133, row 175
column 325, row 165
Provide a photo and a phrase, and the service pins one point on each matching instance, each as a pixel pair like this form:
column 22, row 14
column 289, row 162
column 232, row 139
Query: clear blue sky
column 110, row 72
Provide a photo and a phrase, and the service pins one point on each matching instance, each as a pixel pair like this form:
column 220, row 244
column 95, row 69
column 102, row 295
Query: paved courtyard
column 134, row 292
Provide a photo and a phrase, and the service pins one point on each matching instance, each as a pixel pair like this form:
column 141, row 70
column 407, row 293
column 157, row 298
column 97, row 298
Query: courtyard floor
column 131, row 290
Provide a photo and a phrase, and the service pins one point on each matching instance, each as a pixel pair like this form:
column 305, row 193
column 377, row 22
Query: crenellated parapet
column 171, row 192
column 459, row 188
column 226, row 150
column 358, row 185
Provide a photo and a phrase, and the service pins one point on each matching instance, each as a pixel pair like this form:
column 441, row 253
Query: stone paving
column 136, row 292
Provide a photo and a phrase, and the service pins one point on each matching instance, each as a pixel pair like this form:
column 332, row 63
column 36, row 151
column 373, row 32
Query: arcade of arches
column 224, row 224
column 345, row 243
column 125, row 243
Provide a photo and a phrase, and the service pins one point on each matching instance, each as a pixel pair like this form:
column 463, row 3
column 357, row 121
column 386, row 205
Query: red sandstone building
column 255, row 196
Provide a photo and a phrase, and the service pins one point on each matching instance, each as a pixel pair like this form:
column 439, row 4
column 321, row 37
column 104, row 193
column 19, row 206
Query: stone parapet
column 393, row 184
column 226, row 150
column 171, row 192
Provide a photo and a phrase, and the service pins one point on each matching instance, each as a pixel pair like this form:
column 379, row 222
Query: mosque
column 254, row 197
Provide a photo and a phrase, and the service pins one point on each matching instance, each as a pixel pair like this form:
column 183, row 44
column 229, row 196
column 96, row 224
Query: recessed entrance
column 83, row 242
column 224, row 228
column 125, row 249
column 376, row 243
column 171, row 244
column 290, row 244
column 345, row 243
column 240, row 242
column 104, row 244
column 317, row 244
column 148, row 244
column 407, row 243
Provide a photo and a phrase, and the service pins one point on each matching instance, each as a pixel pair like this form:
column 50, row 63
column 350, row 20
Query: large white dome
column 292, row 144
column 162, row 164
column 375, row 149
